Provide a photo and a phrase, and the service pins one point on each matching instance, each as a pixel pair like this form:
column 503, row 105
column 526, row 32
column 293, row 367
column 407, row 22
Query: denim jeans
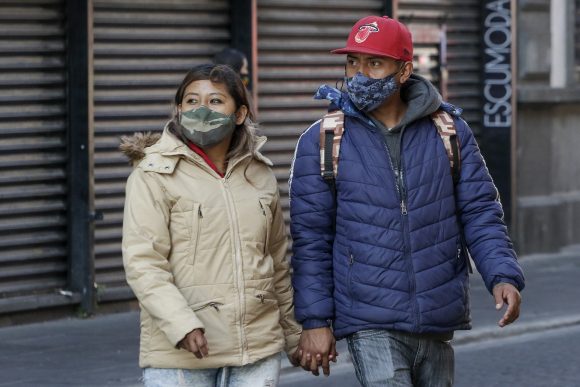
column 263, row 373
column 395, row 359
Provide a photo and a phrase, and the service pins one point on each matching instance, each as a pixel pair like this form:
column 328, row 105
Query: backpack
column 332, row 128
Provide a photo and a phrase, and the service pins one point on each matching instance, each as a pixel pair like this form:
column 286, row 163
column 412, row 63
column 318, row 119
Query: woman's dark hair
column 230, row 57
column 244, row 137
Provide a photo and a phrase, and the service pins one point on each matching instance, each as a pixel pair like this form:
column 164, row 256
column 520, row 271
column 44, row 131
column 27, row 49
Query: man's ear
column 406, row 72
column 241, row 114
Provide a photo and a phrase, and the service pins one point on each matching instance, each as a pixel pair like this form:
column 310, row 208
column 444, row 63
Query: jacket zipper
column 402, row 192
column 199, row 219
column 215, row 305
column 238, row 273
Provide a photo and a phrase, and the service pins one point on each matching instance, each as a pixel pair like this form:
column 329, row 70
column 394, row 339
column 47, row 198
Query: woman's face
column 213, row 96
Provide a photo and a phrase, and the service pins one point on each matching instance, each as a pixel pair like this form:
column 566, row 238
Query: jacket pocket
column 215, row 304
column 194, row 232
column 267, row 214
column 349, row 276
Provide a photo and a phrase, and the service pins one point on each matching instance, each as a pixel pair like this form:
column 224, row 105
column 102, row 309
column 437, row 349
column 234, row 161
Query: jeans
column 263, row 373
column 395, row 359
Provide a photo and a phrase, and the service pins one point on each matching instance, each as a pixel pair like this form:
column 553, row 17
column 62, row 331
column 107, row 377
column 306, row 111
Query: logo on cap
column 365, row 30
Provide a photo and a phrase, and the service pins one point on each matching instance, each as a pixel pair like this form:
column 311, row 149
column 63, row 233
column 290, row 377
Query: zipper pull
column 215, row 306
column 403, row 207
column 350, row 259
column 262, row 207
column 199, row 212
column 261, row 297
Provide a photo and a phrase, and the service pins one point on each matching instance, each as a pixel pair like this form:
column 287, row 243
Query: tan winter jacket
column 201, row 251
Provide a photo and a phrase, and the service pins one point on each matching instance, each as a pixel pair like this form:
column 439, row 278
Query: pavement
column 103, row 350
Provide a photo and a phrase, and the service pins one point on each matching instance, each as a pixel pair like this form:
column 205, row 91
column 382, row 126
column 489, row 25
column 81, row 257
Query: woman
column 204, row 243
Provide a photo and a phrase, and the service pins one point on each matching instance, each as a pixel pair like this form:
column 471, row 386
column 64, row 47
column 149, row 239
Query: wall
column 547, row 138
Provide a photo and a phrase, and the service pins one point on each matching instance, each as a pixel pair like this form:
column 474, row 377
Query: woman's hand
column 195, row 343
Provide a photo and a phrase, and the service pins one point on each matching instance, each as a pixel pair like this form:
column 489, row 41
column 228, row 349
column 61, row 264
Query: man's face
column 370, row 65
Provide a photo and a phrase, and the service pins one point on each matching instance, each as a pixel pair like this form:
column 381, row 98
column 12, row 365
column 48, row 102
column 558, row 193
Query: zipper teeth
column 239, row 281
column 198, row 231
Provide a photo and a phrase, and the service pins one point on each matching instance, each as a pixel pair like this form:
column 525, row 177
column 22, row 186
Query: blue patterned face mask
column 368, row 93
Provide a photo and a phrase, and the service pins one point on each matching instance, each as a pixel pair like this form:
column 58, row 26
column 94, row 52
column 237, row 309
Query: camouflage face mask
column 367, row 94
column 205, row 127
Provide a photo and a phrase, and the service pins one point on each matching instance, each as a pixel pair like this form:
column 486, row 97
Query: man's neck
column 391, row 112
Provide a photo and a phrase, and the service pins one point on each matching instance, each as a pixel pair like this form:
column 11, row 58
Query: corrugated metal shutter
column 294, row 40
column 32, row 152
column 142, row 51
column 577, row 40
column 463, row 21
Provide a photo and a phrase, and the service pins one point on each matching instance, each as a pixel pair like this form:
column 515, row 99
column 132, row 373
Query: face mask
column 205, row 127
column 368, row 93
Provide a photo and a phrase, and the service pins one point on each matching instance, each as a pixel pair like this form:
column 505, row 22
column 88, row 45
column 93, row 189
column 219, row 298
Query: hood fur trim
column 134, row 146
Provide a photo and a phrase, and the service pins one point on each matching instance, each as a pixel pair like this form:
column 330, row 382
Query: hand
column 504, row 292
column 195, row 343
column 317, row 348
column 295, row 358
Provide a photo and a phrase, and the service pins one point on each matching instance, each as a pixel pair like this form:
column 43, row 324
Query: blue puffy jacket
column 383, row 266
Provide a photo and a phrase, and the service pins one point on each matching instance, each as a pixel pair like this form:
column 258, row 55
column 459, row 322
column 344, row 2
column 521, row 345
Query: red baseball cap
column 383, row 36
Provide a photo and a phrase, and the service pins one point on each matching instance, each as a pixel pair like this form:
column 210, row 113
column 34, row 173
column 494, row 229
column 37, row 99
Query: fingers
column 498, row 295
column 201, row 343
column 314, row 366
column 513, row 311
column 333, row 354
column 326, row 365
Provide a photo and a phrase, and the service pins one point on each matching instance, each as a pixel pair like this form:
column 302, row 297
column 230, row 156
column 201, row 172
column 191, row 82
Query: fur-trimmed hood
column 134, row 146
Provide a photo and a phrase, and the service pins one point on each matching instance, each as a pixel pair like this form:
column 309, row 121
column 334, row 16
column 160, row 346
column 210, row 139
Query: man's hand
column 195, row 343
column 317, row 348
column 504, row 292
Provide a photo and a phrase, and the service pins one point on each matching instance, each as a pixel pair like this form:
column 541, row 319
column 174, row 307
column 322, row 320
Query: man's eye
column 375, row 63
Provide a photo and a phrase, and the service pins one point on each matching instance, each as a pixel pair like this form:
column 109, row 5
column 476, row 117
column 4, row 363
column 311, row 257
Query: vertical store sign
column 498, row 89
column 497, row 74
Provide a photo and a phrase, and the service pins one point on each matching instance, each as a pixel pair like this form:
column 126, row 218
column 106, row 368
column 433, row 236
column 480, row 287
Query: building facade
column 77, row 75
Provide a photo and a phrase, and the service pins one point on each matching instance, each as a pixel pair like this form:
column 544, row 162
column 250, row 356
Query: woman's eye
column 191, row 101
column 216, row 101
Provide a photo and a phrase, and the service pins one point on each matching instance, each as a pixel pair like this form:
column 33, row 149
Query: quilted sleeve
column 482, row 217
column 312, row 212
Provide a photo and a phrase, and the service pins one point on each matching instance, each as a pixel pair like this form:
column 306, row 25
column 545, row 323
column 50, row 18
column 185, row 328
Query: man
column 381, row 257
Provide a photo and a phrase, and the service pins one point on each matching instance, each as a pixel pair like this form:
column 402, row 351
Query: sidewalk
column 102, row 351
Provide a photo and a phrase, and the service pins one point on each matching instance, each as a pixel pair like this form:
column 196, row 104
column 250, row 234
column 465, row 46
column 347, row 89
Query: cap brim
column 361, row 50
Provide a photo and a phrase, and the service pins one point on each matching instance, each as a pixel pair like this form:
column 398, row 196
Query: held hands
column 196, row 343
column 507, row 293
column 317, row 348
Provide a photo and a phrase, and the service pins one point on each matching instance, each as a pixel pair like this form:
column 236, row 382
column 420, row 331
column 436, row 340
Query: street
column 540, row 359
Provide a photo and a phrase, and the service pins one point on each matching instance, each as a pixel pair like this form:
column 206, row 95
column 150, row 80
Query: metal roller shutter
column 33, row 255
column 294, row 40
column 141, row 53
column 463, row 22
column 577, row 41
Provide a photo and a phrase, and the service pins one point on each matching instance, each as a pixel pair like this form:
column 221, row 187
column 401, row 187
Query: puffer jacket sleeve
column 278, row 245
column 482, row 217
column 312, row 211
column 146, row 246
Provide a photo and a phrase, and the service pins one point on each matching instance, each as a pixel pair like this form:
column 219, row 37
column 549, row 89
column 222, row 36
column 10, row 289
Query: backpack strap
column 331, row 130
column 446, row 128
